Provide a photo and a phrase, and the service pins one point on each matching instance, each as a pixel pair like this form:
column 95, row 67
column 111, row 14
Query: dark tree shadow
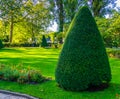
column 11, row 50
column 100, row 87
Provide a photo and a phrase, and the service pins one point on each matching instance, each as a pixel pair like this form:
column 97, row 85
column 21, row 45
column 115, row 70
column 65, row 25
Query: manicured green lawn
column 46, row 60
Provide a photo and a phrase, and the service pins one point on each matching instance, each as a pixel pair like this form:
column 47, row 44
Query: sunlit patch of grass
column 115, row 67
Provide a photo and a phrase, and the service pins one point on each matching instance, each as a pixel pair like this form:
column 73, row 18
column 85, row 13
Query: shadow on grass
column 29, row 60
column 101, row 87
column 11, row 50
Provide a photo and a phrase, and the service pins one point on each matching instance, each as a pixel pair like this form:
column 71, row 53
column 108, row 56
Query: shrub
column 10, row 74
column 1, row 71
column 20, row 74
column 83, row 61
column 35, row 75
column 44, row 42
column 1, row 44
column 23, row 78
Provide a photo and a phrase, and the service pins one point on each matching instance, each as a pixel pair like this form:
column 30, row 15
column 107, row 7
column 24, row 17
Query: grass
column 46, row 60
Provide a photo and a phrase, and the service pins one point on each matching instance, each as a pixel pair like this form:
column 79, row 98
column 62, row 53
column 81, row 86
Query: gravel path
column 13, row 95
column 9, row 96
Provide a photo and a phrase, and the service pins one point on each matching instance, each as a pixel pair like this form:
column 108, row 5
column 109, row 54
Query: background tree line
column 27, row 20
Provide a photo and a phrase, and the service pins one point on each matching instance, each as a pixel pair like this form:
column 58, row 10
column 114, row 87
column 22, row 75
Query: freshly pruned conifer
column 44, row 42
column 1, row 44
column 83, row 61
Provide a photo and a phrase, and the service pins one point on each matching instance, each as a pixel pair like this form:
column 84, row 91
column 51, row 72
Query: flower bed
column 20, row 74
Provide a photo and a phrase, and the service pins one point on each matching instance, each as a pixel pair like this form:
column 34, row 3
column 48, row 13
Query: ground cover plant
column 83, row 61
column 45, row 60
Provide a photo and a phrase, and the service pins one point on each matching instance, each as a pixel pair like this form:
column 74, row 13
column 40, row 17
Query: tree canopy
column 33, row 17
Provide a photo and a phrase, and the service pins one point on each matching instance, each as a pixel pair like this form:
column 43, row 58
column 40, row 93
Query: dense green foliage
column 44, row 42
column 114, row 30
column 110, row 30
column 23, row 17
column 103, row 25
column 1, row 44
column 83, row 61
column 101, row 7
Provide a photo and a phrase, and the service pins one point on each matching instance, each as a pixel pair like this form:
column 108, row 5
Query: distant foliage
column 1, row 44
column 83, row 61
column 110, row 30
column 114, row 30
column 44, row 42
column 113, row 52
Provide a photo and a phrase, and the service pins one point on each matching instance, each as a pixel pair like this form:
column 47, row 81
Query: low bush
column 113, row 52
column 10, row 74
column 1, row 44
column 20, row 74
column 34, row 76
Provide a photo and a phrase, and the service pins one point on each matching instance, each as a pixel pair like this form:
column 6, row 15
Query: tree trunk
column 61, row 17
column 96, row 7
column 60, row 14
column 32, row 30
column 11, row 30
column 33, row 34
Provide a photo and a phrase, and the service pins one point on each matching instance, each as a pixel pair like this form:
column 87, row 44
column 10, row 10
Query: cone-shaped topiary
column 44, row 42
column 1, row 44
column 83, row 60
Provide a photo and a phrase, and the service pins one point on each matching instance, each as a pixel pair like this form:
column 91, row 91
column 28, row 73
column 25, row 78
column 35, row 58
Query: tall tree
column 58, row 12
column 61, row 16
column 9, row 11
column 38, row 18
column 34, row 12
column 102, row 7
column 71, row 7
column 64, row 11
